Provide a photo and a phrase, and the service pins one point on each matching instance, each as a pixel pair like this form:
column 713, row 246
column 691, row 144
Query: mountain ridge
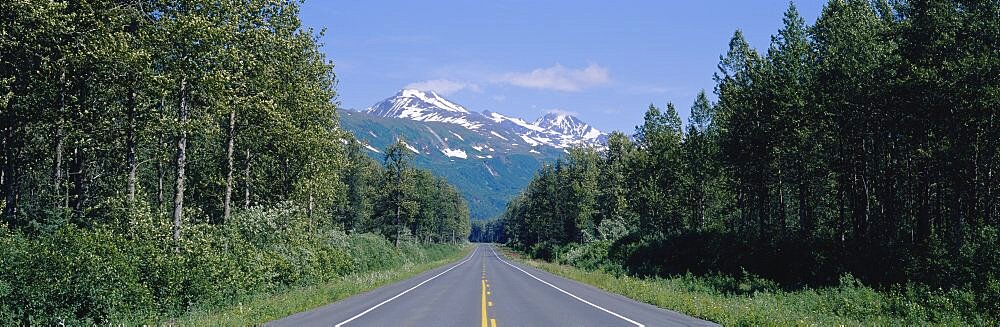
column 554, row 129
column 488, row 155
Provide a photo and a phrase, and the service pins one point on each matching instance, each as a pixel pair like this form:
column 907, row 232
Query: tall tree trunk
column 246, row 182
column 702, row 195
column 182, row 117
column 227, row 200
column 991, row 200
column 311, row 206
column 130, row 144
column 58, row 141
column 992, row 204
column 399, row 226
column 65, row 189
column 782, row 223
column 286, row 179
column 11, row 192
column 805, row 219
column 81, row 183
column 399, row 202
column 57, row 167
column 160, row 172
column 957, row 216
column 841, row 207
column 4, row 165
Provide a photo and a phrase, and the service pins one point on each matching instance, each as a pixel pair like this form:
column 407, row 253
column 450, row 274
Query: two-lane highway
column 484, row 289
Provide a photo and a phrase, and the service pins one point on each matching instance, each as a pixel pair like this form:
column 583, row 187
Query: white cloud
column 562, row 112
column 443, row 86
column 559, row 78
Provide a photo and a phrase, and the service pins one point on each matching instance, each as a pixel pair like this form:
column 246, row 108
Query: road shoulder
column 258, row 310
column 635, row 307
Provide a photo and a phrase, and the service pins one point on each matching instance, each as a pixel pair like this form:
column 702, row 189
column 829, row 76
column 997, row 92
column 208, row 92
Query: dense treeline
column 866, row 143
column 488, row 231
column 401, row 201
column 161, row 154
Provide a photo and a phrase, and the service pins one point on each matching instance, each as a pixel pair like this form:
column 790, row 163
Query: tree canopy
column 866, row 144
column 175, row 131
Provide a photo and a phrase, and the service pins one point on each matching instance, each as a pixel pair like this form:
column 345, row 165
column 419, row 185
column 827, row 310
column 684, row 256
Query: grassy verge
column 850, row 304
column 257, row 310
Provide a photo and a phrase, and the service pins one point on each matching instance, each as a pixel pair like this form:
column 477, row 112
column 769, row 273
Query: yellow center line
column 484, row 303
column 492, row 322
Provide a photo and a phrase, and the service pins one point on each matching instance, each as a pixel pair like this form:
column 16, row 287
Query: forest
column 161, row 156
column 861, row 147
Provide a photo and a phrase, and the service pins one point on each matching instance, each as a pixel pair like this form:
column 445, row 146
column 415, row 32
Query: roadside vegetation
column 847, row 174
column 158, row 157
column 410, row 261
column 749, row 300
column 79, row 275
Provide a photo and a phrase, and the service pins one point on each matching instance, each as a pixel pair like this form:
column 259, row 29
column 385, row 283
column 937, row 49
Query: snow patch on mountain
column 500, row 136
column 434, row 99
column 444, row 142
column 490, row 169
column 455, row 153
column 408, row 146
column 529, row 140
column 500, row 119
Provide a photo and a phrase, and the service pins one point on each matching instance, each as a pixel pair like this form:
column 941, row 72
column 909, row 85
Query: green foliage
column 590, row 256
column 489, row 231
column 220, row 115
column 863, row 145
column 260, row 309
column 748, row 300
column 97, row 275
column 413, row 204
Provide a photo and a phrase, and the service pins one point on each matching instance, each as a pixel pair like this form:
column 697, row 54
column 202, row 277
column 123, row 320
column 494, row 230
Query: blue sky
column 604, row 61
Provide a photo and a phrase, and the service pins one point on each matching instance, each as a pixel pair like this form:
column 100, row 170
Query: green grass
column 257, row 310
column 850, row 304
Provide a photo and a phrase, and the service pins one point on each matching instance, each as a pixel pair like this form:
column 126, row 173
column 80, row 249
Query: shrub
column 543, row 250
column 101, row 274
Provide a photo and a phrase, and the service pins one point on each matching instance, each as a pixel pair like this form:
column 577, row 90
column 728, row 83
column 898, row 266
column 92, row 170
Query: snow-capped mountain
column 557, row 130
column 489, row 156
column 422, row 106
column 567, row 125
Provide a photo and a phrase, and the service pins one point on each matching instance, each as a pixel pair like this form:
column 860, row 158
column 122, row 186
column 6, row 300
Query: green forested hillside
column 863, row 146
column 162, row 156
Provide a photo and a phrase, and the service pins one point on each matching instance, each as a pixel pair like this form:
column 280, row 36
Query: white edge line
column 408, row 290
column 568, row 293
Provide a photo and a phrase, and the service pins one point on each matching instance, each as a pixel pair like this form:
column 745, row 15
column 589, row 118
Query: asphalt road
column 484, row 289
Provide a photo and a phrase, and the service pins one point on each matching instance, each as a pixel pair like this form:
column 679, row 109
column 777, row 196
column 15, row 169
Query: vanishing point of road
column 484, row 289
